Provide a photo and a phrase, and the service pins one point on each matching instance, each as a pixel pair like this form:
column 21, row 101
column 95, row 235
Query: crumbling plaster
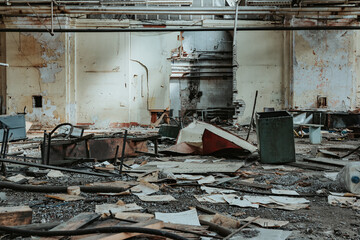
column 291, row 69
column 89, row 78
column 263, row 66
column 37, row 63
column 324, row 65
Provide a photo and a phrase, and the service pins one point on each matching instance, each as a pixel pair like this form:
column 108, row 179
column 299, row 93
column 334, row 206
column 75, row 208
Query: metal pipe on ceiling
column 170, row 10
column 271, row 28
column 155, row 2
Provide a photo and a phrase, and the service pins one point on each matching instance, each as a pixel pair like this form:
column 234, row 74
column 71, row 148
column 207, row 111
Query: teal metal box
column 275, row 137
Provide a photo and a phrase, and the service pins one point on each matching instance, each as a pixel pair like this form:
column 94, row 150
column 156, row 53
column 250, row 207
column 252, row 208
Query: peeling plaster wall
column 153, row 50
column 121, row 77
column 88, row 78
column 102, row 78
column 37, row 62
column 324, row 65
column 263, row 59
column 2, row 74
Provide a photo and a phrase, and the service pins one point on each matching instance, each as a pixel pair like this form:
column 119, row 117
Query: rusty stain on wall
column 37, row 69
column 324, row 66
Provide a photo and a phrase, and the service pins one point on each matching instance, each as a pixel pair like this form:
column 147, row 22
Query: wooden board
column 191, row 168
column 255, row 185
column 14, row 216
column 74, row 223
column 328, row 161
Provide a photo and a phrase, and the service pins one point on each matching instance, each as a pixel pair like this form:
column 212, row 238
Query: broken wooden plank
column 190, row 168
column 14, row 216
column 308, row 165
column 217, row 228
column 134, row 216
column 66, row 197
column 74, row 223
column 327, row 161
column 254, row 185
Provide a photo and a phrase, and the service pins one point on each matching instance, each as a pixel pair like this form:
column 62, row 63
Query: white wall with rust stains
column 89, row 78
column 263, row 65
column 37, row 63
column 324, row 65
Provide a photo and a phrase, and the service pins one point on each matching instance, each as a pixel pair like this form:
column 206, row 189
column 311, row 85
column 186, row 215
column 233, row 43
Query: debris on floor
column 151, row 190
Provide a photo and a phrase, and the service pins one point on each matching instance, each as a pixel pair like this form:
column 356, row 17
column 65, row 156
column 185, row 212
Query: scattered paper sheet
column 195, row 160
column 287, row 192
column 114, row 208
column 331, row 175
column 17, row 178
column 341, row 201
column 208, row 179
column 157, row 198
column 263, row 222
column 262, row 234
column 211, row 190
column 188, row 177
column 237, row 201
column 191, row 168
column 134, row 216
column 120, row 184
column 144, row 188
column 288, row 200
column 275, row 167
column 286, row 203
column 211, row 198
column 188, row 217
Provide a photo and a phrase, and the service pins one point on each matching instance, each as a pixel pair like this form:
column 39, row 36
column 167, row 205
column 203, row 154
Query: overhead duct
column 269, row 2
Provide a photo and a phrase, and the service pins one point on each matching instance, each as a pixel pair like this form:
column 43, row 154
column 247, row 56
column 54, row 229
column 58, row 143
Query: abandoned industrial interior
column 194, row 119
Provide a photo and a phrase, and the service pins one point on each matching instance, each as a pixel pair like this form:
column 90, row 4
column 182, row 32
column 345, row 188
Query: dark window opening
column 37, row 101
column 321, row 102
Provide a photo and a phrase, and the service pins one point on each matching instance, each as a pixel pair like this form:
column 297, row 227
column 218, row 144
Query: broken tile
column 261, row 234
column 114, row 208
column 55, row 174
column 2, row 196
column 331, row 175
column 341, row 201
column 208, row 179
column 157, row 198
column 263, row 222
column 211, row 198
column 285, row 192
column 18, row 178
column 212, row 190
column 237, row 201
column 144, row 188
column 139, row 217
column 192, row 168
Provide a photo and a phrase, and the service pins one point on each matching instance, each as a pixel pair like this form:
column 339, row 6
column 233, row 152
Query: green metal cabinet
column 275, row 137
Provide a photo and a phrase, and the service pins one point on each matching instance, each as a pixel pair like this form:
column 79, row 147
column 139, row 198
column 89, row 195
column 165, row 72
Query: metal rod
column 52, row 18
column 43, row 149
column 116, row 155
column 123, row 152
column 48, row 150
column 4, row 160
column 252, row 115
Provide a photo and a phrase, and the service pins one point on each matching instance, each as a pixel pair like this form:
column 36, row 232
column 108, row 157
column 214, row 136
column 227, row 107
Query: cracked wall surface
column 37, row 63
